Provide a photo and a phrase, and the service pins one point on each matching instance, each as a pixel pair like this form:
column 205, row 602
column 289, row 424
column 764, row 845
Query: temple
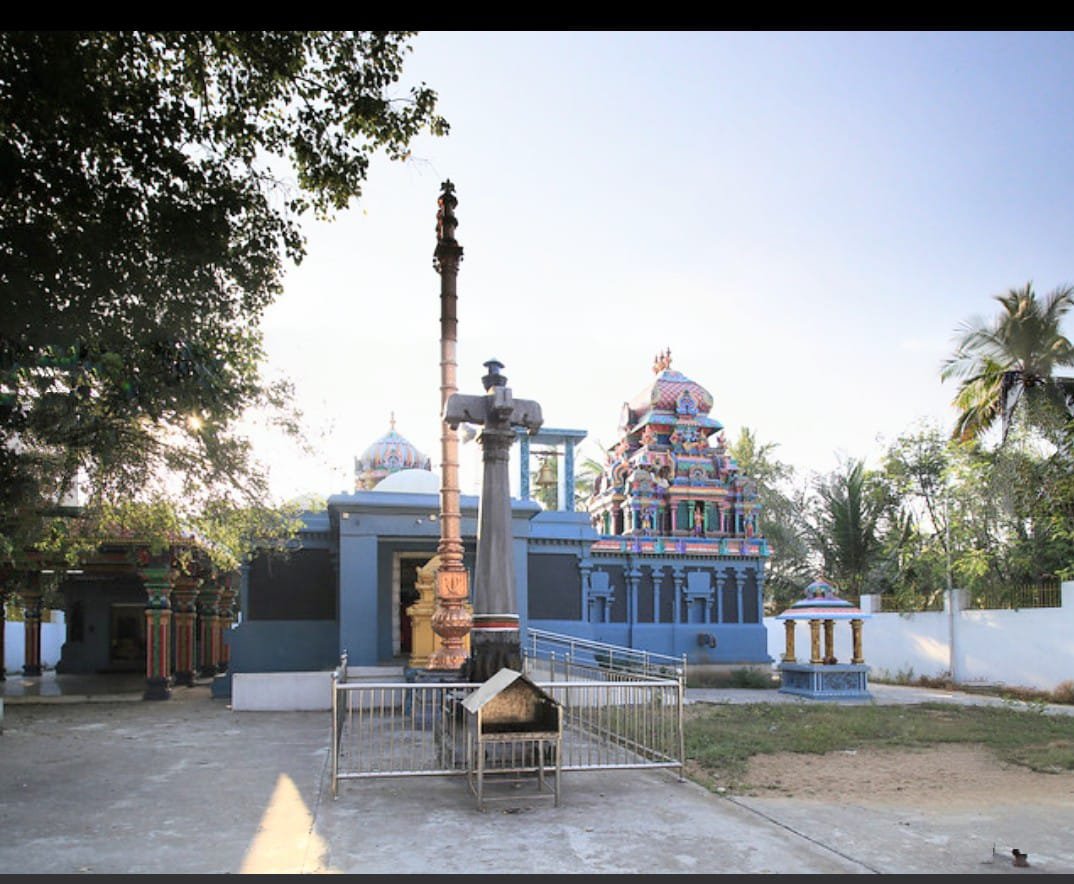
column 664, row 556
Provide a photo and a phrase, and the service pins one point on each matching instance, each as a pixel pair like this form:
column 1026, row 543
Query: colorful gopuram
column 669, row 483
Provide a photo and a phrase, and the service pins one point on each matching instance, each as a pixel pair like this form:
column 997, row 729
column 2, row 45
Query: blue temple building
column 664, row 555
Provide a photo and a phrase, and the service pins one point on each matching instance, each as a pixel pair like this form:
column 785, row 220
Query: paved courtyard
column 104, row 783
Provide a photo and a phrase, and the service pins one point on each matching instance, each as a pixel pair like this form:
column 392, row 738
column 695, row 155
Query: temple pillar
column 829, row 641
column 184, row 614
column 229, row 591
column 814, row 642
column 676, row 579
column 740, row 585
column 208, row 638
column 855, row 630
column 721, row 582
column 657, row 575
column 31, row 612
column 788, row 632
column 158, row 578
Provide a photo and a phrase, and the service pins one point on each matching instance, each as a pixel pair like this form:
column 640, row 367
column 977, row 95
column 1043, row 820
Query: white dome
column 410, row 482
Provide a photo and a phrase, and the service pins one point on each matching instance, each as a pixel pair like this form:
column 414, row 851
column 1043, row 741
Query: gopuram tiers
column 669, row 484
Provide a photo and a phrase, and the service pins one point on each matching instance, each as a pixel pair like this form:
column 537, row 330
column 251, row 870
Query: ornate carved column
column 158, row 576
column 450, row 621
column 31, row 613
column 829, row 641
column 814, row 642
column 721, row 583
column 788, row 631
column 208, row 638
column 184, row 607
column 855, row 631
column 229, row 591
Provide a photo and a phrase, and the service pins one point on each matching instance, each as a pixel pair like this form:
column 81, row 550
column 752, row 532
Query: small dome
column 410, row 482
column 821, row 602
column 391, row 453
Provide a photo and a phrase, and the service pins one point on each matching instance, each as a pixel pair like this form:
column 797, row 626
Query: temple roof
column 821, row 602
column 673, row 393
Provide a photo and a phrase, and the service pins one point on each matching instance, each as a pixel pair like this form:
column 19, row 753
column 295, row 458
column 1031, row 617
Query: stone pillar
column 829, row 640
column 184, row 608
column 31, row 612
column 208, row 638
column 855, row 630
column 524, row 468
column 814, row 642
column 788, row 632
column 157, row 576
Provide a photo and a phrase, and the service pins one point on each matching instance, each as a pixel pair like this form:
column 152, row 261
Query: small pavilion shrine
column 823, row 676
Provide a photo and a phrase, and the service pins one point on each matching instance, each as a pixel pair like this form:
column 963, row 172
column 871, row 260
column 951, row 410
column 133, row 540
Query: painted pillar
column 740, row 581
column 184, row 608
column 31, row 612
column 855, row 630
column 676, row 579
column 721, row 582
column 229, row 591
column 524, row 467
column 788, row 632
column 829, row 640
column 633, row 576
column 209, row 635
column 451, row 621
column 568, row 475
column 814, row 642
column 158, row 578
column 657, row 576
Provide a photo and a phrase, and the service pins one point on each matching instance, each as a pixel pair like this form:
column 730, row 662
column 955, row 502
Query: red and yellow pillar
column 184, row 601
column 158, row 577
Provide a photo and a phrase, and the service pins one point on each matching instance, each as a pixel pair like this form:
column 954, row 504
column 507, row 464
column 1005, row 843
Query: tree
column 781, row 520
column 846, row 525
column 1008, row 364
column 152, row 187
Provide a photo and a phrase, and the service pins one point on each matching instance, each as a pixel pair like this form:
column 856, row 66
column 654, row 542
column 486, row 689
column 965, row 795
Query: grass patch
column 721, row 738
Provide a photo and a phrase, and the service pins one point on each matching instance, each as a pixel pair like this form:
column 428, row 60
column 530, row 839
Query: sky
column 805, row 219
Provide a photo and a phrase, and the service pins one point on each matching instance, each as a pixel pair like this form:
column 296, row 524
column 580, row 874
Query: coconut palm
column 1010, row 363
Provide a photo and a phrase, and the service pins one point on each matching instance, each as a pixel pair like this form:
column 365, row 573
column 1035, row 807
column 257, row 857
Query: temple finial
column 391, row 420
column 662, row 361
column 448, row 252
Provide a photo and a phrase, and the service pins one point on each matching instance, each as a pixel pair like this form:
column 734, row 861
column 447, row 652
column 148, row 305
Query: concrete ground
column 93, row 780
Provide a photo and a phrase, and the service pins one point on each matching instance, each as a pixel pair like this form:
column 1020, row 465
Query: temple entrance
column 404, row 595
column 126, row 637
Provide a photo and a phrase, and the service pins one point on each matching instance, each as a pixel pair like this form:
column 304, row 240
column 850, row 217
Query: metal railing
column 617, row 720
column 1042, row 595
column 570, row 656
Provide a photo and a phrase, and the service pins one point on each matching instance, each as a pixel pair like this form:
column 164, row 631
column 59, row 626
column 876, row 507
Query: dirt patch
column 941, row 777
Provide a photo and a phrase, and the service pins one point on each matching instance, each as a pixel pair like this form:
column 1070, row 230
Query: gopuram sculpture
column 494, row 639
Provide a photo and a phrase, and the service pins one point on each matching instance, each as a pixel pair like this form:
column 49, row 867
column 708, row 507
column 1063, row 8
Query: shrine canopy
column 822, row 602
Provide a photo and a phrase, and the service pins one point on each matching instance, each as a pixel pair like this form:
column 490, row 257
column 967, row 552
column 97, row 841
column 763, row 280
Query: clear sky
column 803, row 218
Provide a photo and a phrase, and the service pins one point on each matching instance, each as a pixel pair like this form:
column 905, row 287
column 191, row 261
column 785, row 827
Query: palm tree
column 1010, row 362
column 845, row 525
